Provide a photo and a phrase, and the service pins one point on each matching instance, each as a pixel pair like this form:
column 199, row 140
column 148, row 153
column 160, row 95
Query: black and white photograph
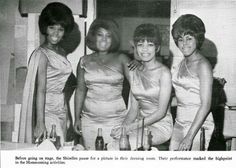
column 116, row 83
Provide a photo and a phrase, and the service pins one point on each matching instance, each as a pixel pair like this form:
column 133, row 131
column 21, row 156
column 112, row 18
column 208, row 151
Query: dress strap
column 178, row 69
column 44, row 51
column 185, row 64
column 81, row 63
column 110, row 65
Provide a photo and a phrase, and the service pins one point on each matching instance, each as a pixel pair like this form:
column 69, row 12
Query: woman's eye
column 109, row 35
column 99, row 34
column 50, row 27
column 61, row 29
column 189, row 38
column 151, row 44
column 139, row 44
column 180, row 40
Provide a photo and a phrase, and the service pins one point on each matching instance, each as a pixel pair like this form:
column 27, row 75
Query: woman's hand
column 77, row 127
column 116, row 132
column 132, row 65
column 136, row 63
column 39, row 130
column 186, row 144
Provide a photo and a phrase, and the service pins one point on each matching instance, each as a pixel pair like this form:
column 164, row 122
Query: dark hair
column 189, row 25
column 56, row 13
column 108, row 24
column 147, row 32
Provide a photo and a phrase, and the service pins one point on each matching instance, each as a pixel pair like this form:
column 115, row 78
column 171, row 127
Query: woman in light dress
column 98, row 99
column 48, row 70
column 192, row 81
column 150, row 91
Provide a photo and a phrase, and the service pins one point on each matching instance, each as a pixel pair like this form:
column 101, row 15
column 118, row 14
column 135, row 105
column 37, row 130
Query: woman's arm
column 128, row 64
column 41, row 96
column 206, row 80
column 133, row 109
column 124, row 59
column 80, row 94
column 164, row 98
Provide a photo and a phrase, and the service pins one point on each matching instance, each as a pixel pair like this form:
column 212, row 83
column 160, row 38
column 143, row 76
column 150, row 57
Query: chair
column 217, row 108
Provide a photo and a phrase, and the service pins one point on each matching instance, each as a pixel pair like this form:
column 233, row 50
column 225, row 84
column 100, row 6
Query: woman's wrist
column 190, row 136
column 131, row 127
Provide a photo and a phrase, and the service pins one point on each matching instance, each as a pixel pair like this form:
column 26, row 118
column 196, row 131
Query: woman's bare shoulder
column 164, row 68
column 165, row 71
column 204, row 65
column 87, row 57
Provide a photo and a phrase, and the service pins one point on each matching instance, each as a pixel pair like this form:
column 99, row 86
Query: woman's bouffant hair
column 56, row 13
column 149, row 32
column 189, row 24
column 108, row 24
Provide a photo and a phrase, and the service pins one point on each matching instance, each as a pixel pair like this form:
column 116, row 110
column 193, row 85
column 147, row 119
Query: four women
column 98, row 99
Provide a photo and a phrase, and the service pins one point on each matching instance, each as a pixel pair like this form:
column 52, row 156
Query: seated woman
column 150, row 91
column 192, row 81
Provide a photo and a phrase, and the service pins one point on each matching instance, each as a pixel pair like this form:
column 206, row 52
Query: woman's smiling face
column 187, row 45
column 55, row 34
column 146, row 50
column 103, row 39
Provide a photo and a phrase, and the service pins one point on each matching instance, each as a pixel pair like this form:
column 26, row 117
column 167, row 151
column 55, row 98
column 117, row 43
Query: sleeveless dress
column 145, row 86
column 187, row 89
column 104, row 106
column 58, row 71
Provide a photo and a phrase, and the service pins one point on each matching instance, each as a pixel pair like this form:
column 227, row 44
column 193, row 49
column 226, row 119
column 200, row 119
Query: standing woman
column 150, row 91
column 192, row 81
column 48, row 72
column 98, row 99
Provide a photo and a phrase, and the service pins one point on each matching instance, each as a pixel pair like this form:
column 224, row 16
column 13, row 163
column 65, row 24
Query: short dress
column 104, row 106
column 187, row 90
column 145, row 86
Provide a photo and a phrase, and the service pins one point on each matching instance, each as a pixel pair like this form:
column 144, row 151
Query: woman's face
column 146, row 50
column 103, row 39
column 187, row 44
column 55, row 34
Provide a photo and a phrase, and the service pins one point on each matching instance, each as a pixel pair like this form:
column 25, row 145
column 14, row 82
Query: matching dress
column 104, row 106
column 145, row 86
column 58, row 71
column 187, row 89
